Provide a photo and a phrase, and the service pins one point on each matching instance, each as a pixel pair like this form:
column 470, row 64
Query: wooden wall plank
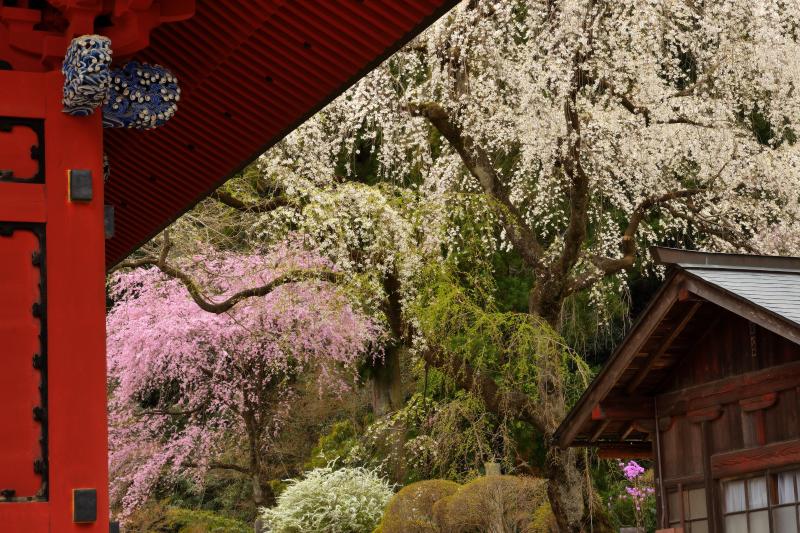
column 755, row 459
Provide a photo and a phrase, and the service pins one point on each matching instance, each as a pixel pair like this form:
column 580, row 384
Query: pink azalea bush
column 185, row 383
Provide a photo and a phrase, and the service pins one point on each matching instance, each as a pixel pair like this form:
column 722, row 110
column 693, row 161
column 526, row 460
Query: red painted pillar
column 53, row 432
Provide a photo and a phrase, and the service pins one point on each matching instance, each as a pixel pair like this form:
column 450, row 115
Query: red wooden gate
column 52, row 305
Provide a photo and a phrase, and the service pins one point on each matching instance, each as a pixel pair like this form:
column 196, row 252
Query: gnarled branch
column 628, row 241
column 479, row 164
column 255, row 207
column 607, row 266
column 207, row 304
column 218, row 466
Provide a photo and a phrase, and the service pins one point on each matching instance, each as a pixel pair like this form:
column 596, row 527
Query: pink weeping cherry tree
column 186, row 383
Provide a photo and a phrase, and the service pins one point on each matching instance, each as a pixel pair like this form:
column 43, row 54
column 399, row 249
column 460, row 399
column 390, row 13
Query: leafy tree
column 566, row 135
column 584, row 130
column 188, row 383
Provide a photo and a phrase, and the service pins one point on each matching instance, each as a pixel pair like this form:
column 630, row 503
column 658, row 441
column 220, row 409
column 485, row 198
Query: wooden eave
column 251, row 71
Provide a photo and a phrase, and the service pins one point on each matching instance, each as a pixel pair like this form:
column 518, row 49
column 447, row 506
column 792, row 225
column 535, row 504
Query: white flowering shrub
column 347, row 500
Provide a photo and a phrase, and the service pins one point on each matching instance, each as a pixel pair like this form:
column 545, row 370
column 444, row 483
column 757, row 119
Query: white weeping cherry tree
column 589, row 129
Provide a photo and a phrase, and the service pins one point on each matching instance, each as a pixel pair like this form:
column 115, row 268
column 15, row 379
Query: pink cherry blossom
column 186, row 384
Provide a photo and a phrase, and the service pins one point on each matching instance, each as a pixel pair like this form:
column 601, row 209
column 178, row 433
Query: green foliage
column 456, row 313
column 347, row 500
column 491, row 503
column 158, row 517
column 411, row 509
column 449, row 438
column 543, row 520
column 513, row 280
column 488, row 503
column 591, row 328
column 192, row 521
column 333, row 445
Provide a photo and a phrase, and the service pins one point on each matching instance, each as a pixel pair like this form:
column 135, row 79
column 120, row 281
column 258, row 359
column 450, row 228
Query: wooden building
column 707, row 384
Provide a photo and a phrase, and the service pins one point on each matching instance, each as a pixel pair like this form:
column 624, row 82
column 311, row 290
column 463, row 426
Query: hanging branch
column 255, row 207
column 496, row 400
column 207, row 304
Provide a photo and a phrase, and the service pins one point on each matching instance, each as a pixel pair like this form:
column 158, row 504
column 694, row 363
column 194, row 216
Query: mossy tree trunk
column 387, row 372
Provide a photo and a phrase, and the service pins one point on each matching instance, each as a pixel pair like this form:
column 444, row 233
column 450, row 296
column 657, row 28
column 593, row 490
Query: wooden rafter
column 601, row 427
column 651, row 360
column 624, row 409
column 627, row 431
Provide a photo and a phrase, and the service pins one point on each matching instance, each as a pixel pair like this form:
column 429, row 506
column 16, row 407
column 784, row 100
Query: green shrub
column 544, row 521
column 159, row 517
column 191, row 521
column 348, row 500
column 491, row 503
column 411, row 509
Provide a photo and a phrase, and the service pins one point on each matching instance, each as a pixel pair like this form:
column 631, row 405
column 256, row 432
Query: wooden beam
column 651, row 360
column 730, row 390
column 624, row 409
column 763, row 401
column 619, row 361
column 625, row 452
column 706, row 445
column 706, row 414
column 628, row 430
column 619, row 449
column 648, row 425
column 601, row 427
column 755, row 459
column 743, row 308
column 691, row 479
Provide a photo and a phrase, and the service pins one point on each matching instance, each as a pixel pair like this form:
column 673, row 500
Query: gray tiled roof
column 777, row 291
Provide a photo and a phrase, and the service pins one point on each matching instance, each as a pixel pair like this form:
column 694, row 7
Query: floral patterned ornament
column 86, row 73
column 141, row 97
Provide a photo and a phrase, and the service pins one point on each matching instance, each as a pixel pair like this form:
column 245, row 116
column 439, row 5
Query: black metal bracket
column 37, row 150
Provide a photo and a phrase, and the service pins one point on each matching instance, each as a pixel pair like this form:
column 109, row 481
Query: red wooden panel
column 19, row 381
column 14, row 143
column 76, row 318
column 22, row 202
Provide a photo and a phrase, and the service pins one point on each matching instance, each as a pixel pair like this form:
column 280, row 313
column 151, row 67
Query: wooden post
column 712, row 507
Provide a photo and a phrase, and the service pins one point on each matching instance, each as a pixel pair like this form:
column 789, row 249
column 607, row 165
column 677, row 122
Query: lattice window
column 767, row 502
column 688, row 509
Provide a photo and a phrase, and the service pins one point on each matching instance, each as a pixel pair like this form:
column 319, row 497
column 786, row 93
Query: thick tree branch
column 207, row 304
column 218, row 466
column 575, row 233
column 628, row 242
column 607, row 266
column 480, row 166
column 256, row 207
